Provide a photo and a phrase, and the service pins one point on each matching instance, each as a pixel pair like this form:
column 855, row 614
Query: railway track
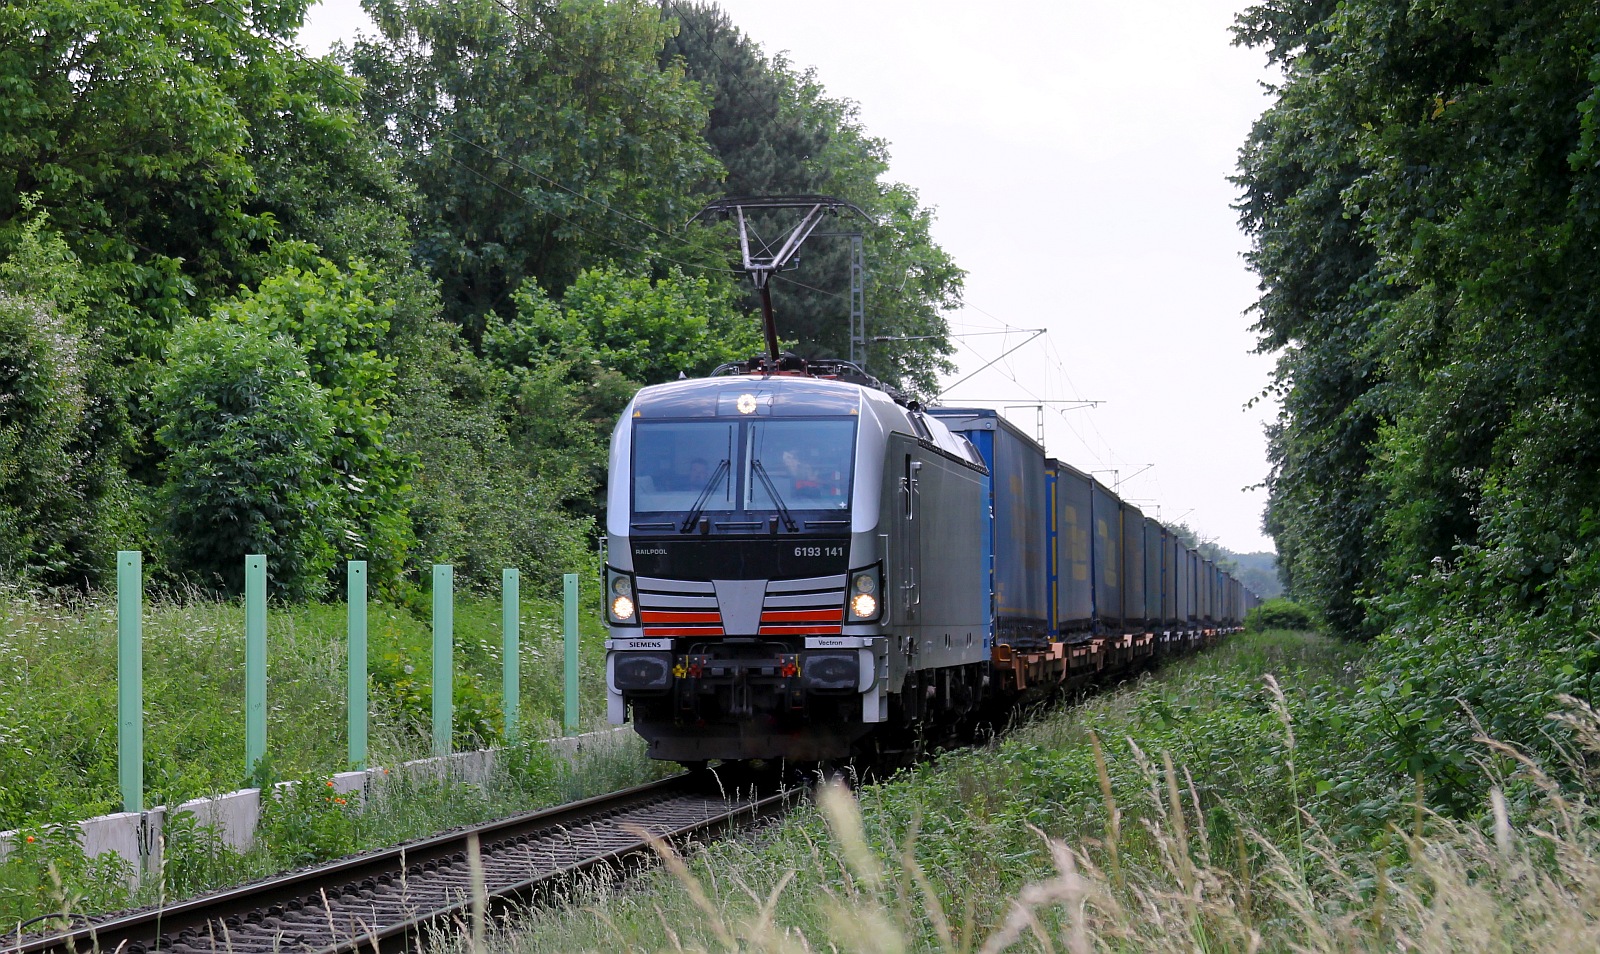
column 387, row 900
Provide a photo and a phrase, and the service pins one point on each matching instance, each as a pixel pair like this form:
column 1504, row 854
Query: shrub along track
column 388, row 900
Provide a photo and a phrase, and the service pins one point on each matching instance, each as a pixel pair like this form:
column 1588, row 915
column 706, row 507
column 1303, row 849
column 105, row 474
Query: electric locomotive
column 774, row 585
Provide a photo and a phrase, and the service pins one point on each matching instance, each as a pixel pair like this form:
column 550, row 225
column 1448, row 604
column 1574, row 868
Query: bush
column 476, row 503
column 41, row 405
column 340, row 322
column 65, row 503
column 250, row 441
column 1278, row 614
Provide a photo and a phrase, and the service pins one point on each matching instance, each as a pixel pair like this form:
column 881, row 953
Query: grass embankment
column 1192, row 810
column 58, row 741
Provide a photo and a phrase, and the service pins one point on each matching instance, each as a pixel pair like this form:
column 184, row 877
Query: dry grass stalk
column 1526, row 887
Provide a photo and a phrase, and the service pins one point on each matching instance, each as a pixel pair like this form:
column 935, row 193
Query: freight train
column 803, row 565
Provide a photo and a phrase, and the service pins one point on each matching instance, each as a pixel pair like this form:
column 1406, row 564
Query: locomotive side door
column 908, row 558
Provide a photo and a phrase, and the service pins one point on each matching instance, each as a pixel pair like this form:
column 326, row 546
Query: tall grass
column 58, row 739
column 1178, row 813
column 58, row 743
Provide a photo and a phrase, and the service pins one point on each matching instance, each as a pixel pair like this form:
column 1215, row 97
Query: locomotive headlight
column 863, row 601
column 620, row 606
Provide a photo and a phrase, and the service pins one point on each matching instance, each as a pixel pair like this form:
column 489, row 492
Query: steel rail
column 384, row 900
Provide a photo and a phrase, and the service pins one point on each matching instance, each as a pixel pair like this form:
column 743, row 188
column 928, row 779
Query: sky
column 1077, row 155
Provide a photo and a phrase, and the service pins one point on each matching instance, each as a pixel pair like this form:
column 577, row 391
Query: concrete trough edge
column 136, row 837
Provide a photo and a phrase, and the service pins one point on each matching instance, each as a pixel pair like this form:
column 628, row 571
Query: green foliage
column 82, row 82
column 46, row 871
column 480, row 501
column 954, row 842
column 402, row 678
column 568, row 367
column 309, row 821
column 195, row 164
column 1423, row 223
column 646, row 330
column 173, row 142
column 340, row 320
column 58, row 759
column 540, row 138
column 1425, row 206
column 64, row 504
column 41, row 408
column 250, row 440
column 1278, row 614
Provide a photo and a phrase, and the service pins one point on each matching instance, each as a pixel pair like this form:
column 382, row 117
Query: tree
column 150, row 129
column 572, row 365
column 475, row 501
column 540, row 138
column 1422, row 197
column 183, row 151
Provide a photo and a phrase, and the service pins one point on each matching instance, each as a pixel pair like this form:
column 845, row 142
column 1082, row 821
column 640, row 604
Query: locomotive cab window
column 758, row 467
column 675, row 464
column 807, row 463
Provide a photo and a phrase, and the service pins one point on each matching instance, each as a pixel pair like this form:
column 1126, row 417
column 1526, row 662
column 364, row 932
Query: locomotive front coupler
column 751, row 669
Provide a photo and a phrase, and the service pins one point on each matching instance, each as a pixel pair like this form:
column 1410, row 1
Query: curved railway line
column 387, row 900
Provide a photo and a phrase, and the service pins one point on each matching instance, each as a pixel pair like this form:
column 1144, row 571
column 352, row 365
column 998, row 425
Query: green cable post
column 443, row 634
column 569, row 631
column 255, row 662
column 510, row 650
column 130, row 678
column 356, row 674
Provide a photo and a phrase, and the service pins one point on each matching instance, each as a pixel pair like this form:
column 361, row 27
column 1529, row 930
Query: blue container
column 1016, row 486
column 1133, row 582
column 1153, row 541
column 1072, row 578
column 1105, row 515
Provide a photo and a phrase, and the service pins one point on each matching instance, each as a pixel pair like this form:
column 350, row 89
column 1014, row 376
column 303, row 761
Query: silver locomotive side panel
column 932, row 517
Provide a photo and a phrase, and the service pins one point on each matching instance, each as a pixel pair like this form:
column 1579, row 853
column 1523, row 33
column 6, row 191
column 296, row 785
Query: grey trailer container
column 1133, row 581
column 1172, row 575
column 1208, row 584
column 1192, row 558
column 1072, row 571
column 1105, row 514
column 1153, row 541
column 1185, row 585
column 1017, row 500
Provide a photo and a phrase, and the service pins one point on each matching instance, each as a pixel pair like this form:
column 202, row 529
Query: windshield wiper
column 760, row 471
column 705, row 494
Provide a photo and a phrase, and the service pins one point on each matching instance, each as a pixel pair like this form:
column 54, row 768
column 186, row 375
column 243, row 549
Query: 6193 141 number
column 818, row 551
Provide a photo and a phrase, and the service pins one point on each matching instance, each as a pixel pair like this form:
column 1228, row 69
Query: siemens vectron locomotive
column 802, row 566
